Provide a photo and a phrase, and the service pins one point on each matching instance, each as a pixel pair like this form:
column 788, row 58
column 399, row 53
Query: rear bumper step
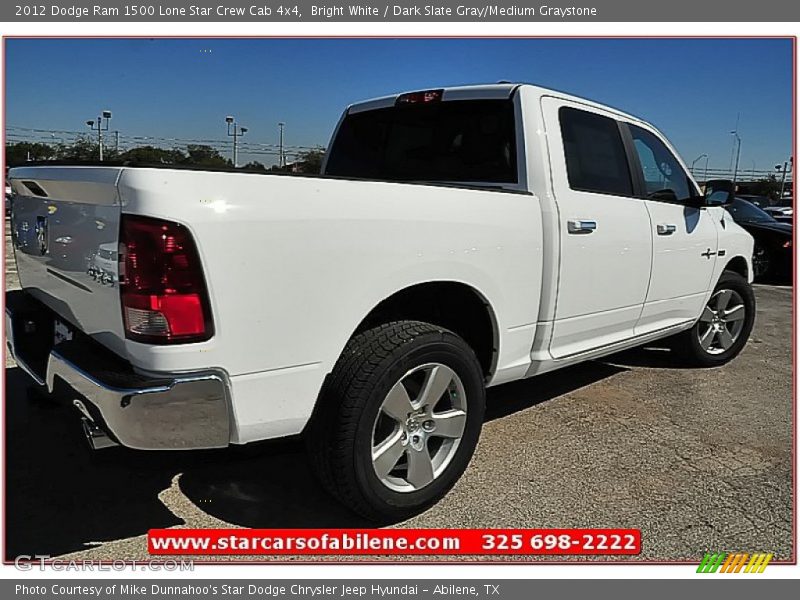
column 181, row 411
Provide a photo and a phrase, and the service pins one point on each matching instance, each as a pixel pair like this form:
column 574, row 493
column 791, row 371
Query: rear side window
column 595, row 154
column 456, row 141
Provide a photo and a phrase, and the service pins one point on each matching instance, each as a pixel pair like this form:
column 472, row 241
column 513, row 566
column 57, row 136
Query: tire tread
column 331, row 434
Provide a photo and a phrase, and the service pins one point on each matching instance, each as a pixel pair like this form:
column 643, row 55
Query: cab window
column 664, row 177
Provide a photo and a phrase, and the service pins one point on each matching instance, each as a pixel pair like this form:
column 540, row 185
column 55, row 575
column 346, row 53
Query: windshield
column 742, row 210
column 456, row 141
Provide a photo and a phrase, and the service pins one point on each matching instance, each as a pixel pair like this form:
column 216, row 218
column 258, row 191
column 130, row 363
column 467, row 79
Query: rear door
column 604, row 230
column 65, row 228
column 684, row 237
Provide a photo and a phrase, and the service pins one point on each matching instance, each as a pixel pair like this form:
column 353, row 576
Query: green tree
column 153, row 156
column 18, row 153
column 83, row 149
column 310, row 161
column 768, row 186
column 254, row 165
column 206, row 156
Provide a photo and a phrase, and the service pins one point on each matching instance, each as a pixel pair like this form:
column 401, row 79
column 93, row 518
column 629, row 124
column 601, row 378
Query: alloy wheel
column 722, row 321
column 419, row 427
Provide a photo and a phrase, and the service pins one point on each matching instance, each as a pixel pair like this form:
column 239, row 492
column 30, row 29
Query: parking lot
column 699, row 460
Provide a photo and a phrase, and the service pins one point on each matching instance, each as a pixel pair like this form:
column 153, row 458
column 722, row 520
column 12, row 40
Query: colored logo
column 734, row 562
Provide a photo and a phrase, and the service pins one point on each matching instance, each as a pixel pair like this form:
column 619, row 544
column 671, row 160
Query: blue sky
column 691, row 89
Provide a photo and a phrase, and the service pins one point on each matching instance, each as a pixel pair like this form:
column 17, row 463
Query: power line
column 153, row 138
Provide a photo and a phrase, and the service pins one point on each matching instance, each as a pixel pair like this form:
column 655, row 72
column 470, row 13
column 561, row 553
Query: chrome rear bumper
column 179, row 411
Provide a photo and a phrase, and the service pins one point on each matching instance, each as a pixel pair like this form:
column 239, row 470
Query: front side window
column 664, row 178
column 595, row 154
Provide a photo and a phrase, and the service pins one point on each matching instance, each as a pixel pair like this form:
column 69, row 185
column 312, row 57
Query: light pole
column 694, row 162
column 738, row 140
column 281, row 159
column 733, row 145
column 235, row 131
column 104, row 118
column 786, row 163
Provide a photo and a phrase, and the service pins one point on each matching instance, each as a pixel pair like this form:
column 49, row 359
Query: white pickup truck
column 457, row 239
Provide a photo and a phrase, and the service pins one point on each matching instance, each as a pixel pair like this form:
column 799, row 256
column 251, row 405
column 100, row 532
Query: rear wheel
column 724, row 326
column 399, row 420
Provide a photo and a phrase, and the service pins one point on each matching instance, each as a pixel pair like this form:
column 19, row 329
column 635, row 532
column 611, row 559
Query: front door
column 684, row 236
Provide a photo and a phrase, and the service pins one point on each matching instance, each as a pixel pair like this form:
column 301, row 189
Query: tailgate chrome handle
column 665, row 229
column 581, row 226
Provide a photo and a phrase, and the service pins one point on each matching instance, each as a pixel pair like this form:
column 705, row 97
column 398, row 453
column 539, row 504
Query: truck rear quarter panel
column 293, row 265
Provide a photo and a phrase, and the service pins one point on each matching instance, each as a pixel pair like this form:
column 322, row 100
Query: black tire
column 688, row 343
column 341, row 434
column 762, row 263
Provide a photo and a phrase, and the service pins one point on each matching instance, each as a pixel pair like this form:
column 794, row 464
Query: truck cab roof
column 490, row 91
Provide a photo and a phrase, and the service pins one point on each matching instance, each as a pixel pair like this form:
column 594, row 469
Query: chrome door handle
column 581, row 226
column 664, row 229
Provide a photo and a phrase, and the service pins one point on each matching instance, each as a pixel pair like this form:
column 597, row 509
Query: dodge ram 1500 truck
column 457, row 239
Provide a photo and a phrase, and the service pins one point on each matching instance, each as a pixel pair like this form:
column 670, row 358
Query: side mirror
column 696, row 202
column 719, row 192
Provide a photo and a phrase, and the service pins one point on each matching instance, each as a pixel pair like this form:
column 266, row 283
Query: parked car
column 772, row 250
column 783, row 211
column 759, row 201
column 103, row 264
column 457, row 239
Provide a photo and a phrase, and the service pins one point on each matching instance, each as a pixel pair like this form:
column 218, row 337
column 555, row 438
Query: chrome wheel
column 419, row 427
column 721, row 322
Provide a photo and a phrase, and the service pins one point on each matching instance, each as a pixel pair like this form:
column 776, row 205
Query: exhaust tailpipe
column 95, row 436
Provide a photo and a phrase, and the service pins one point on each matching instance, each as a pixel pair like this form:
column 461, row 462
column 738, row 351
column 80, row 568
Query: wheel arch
column 740, row 265
column 453, row 305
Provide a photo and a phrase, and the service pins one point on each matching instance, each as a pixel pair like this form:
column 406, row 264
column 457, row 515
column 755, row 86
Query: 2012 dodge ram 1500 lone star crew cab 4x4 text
column 458, row 238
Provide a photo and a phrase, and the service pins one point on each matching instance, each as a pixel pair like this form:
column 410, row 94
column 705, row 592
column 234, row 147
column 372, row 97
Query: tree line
column 86, row 150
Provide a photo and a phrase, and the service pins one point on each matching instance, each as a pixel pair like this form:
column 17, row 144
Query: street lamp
column 235, row 131
column 281, row 158
column 786, row 164
column 694, row 162
column 99, row 127
column 735, row 134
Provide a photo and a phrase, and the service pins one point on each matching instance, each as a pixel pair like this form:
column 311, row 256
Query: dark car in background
column 783, row 211
column 759, row 201
column 772, row 251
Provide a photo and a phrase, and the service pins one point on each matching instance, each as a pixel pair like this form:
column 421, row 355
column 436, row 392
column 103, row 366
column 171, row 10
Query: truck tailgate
column 65, row 229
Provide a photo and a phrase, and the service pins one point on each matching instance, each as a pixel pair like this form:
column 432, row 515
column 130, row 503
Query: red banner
column 393, row 541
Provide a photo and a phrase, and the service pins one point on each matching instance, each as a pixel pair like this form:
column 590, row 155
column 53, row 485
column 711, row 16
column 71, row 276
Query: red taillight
column 425, row 97
column 164, row 297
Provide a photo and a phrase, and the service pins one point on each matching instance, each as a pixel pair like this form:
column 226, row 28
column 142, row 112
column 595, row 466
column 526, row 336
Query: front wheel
column 724, row 326
column 399, row 419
